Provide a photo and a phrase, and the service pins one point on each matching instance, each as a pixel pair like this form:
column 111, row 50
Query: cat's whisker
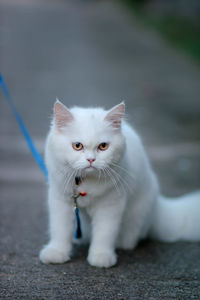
column 107, row 174
column 126, row 180
column 129, row 178
column 69, row 179
column 66, row 181
column 99, row 174
column 104, row 175
column 62, row 170
column 123, row 169
column 116, row 175
column 66, row 176
column 117, row 178
column 113, row 179
column 121, row 180
column 65, row 171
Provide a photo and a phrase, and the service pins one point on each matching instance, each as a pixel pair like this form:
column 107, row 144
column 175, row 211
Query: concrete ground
column 93, row 53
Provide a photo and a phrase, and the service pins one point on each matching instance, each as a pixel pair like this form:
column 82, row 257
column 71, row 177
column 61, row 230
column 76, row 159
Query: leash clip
column 75, row 197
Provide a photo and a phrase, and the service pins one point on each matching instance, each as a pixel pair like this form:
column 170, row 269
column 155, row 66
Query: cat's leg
column 61, row 223
column 136, row 222
column 106, row 218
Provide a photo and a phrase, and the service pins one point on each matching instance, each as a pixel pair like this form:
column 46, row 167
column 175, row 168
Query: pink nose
column 91, row 160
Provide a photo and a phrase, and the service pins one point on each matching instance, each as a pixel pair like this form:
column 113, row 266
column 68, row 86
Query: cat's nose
column 91, row 160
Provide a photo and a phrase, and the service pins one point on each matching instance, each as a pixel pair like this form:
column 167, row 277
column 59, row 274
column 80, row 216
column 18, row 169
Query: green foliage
column 180, row 32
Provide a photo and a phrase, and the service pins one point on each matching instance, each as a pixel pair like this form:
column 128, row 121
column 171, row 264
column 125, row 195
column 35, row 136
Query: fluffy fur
column 123, row 204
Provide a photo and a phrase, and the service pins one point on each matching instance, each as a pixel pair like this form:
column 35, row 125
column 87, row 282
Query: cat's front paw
column 51, row 255
column 102, row 259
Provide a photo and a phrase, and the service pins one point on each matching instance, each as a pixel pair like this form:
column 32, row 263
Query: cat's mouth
column 89, row 168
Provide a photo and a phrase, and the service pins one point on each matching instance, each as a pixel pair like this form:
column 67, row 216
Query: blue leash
column 77, row 233
column 34, row 151
column 38, row 158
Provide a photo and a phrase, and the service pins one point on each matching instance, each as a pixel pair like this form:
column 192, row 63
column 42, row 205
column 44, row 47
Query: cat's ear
column 62, row 116
column 115, row 115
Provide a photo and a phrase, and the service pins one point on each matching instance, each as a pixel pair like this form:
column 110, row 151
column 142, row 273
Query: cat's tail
column 177, row 218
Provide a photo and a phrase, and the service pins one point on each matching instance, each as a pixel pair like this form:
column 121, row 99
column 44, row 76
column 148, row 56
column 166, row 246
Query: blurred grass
column 180, row 32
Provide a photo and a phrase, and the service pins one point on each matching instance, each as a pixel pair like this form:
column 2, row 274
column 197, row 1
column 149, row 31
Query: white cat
column 122, row 203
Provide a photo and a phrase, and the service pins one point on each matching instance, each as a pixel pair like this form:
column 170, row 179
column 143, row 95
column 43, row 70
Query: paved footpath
column 93, row 53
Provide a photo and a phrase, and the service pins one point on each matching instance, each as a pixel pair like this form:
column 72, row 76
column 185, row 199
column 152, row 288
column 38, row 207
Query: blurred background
column 97, row 53
column 91, row 53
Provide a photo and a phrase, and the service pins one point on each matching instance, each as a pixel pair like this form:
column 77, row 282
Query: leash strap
column 78, row 232
column 38, row 158
column 29, row 141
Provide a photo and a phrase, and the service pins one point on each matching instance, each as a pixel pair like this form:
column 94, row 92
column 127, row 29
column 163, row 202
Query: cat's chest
column 86, row 194
column 89, row 191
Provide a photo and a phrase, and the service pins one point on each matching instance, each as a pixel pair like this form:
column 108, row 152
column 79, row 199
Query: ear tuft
column 62, row 115
column 115, row 115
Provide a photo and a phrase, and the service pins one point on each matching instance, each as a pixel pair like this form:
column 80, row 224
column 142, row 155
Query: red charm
column 83, row 194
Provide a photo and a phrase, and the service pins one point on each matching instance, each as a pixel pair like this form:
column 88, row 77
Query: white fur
column 177, row 218
column 122, row 203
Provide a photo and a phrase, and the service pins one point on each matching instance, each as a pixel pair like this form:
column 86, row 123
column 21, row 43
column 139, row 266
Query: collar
column 76, row 195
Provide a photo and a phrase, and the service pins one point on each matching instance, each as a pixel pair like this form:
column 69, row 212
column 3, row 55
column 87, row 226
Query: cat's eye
column 103, row 146
column 77, row 146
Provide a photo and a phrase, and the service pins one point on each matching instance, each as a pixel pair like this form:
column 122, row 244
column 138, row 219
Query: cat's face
column 89, row 140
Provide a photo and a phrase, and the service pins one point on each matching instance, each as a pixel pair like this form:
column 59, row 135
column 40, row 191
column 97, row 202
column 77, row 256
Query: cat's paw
column 50, row 255
column 102, row 259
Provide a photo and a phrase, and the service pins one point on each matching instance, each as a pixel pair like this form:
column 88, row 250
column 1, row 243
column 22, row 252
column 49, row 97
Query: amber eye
column 103, row 146
column 77, row 146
